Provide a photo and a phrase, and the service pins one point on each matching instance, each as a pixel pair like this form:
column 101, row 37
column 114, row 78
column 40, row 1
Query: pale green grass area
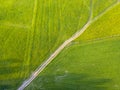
column 108, row 25
column 92, row 66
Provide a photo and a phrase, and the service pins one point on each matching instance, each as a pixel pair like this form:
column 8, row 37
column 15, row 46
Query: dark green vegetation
column 69, row 82
column 31, row 30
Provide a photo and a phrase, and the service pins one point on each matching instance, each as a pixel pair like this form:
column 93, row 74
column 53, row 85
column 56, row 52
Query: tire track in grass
column 30, row 38
column 15, row 25
column 61, row 47
column 94, row 40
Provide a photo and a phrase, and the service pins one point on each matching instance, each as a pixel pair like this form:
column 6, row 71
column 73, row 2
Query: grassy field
column 94, row 66
column 30, row 31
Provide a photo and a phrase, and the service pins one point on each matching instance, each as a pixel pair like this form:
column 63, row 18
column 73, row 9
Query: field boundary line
column 60, row 48
column 107, row 37
column 94, row 40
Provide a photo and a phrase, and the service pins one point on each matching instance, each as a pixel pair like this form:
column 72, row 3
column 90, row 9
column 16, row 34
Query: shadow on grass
column 10, row 84
column 4, row 87
column 8, row 68
column 68, row 82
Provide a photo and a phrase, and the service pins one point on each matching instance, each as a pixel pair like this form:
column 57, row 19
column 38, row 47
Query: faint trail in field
column 60, row 48
column 95, row 40
column 30, row 36
column 15, row 25
column 91, row 9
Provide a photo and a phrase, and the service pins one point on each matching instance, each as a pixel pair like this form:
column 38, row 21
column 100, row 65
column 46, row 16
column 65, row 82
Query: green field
column 94, row 66
column 31, row 30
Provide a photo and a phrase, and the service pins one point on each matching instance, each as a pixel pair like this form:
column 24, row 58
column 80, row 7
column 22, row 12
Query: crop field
column 59, row 44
